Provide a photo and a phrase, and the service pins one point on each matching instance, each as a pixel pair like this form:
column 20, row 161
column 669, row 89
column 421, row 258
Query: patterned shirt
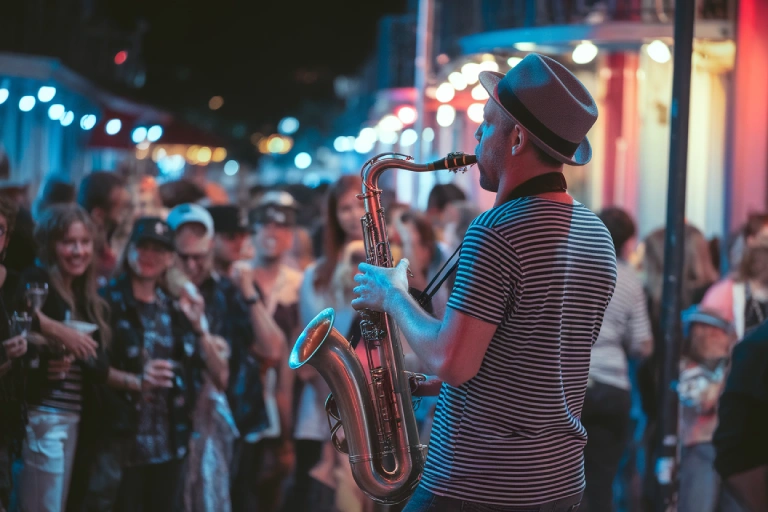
column 152, row 443
column 543, row 272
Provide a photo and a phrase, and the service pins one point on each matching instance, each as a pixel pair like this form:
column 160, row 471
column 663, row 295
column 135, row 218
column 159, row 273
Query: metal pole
column 666, row 452
column 424, row 29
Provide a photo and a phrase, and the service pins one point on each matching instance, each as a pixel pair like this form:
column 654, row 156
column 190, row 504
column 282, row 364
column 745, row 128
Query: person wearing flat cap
column 535, row 275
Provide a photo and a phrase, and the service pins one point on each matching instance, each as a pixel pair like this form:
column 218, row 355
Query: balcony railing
column 457, row 18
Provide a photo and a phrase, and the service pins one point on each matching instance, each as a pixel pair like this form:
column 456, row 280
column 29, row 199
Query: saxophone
column 380, row 432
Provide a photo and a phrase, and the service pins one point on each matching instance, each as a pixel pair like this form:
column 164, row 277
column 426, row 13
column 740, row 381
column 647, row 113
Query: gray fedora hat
column 546, row 99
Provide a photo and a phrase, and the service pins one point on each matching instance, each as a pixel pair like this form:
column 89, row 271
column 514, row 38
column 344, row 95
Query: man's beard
column 486, row 183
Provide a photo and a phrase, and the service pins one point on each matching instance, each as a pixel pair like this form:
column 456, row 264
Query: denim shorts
column 424, row 501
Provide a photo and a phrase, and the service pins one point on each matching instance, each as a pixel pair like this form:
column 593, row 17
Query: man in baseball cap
column 232, row 312
column 194, row 240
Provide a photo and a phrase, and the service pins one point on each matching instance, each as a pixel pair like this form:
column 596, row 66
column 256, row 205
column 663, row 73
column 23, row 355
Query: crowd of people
column 145, row 366
column 147, row 330
column 147, row 339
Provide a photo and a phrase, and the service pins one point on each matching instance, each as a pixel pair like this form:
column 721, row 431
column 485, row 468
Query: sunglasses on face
column 187, row 257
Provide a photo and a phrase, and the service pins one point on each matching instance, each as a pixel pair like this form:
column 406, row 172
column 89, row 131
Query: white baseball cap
column 190, row 212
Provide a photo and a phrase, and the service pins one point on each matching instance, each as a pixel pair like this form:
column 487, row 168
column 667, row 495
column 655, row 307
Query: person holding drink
column 66, row 365
column 159, row 350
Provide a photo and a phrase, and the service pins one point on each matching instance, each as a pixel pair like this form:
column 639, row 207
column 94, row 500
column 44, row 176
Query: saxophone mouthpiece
column 454, row 161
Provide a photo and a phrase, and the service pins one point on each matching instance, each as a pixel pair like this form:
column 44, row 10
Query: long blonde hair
column 52, row 228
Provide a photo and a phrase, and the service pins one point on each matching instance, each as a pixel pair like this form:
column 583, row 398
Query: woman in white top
column 321, row 289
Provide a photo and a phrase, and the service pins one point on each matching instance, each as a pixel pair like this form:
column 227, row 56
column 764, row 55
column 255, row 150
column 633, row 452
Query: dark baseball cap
column 154, row 229
column 275, row 207
column 228, row 219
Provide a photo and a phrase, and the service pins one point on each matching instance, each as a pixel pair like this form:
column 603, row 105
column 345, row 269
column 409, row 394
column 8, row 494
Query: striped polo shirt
column 543, row 272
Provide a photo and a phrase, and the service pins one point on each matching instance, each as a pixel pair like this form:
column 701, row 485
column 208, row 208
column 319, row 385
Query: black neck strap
column 541, row 184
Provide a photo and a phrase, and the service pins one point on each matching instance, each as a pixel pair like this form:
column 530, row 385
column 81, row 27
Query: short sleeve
column 639, row 326
column 488, row 276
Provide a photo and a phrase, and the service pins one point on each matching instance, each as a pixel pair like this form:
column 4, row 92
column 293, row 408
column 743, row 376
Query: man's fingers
column 159, row 374
column 358, row 303
column 364, row 267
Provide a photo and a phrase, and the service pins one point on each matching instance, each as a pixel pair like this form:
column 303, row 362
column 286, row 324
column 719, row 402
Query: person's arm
column 216, row 356
column 269, row 339
column 79, row 344
column 452, row 348
column 487, row 284
column 158, row 373
column 125, row 381
column 639, row 325
column 284, row 399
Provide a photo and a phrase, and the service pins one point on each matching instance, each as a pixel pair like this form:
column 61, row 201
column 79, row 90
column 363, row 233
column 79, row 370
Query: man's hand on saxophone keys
column 376, row 284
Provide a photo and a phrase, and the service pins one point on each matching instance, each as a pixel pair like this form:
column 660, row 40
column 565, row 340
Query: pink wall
column 749, row 150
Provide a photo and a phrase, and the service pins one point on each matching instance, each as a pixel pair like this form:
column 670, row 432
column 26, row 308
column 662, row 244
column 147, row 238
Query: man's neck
column 511, row 180
column 143, row 289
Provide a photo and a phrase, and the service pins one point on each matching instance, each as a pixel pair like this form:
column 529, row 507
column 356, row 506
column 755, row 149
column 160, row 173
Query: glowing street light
column 457, row 81
column 446, row 114
column 56, row 112
column 445, row 92
column 659, row 51
column 409, row 138
column 231, row 168
column 471, row 72
column 154, row 133
column 390, row 123
column 87, row 122
column 67, row 119
column 475, row 112
column 584, row 53
column 46, row 94
column 26, row 103
column 302, row 160
column 113, row 126
column 407, row 114
column 288, row 126
column 139, row 134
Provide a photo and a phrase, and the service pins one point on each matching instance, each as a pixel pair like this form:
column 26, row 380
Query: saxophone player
column 535, row 275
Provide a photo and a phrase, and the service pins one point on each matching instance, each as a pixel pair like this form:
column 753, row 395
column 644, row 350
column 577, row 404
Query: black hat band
column 530, row 122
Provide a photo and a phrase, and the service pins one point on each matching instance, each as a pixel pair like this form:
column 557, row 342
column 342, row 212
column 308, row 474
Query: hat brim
column 583, row 154
column 155, row 238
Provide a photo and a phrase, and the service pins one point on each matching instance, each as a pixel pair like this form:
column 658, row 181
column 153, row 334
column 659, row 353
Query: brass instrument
column 380, row 431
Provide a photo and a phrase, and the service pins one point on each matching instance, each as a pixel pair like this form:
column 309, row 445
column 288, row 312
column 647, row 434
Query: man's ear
column 518, row 139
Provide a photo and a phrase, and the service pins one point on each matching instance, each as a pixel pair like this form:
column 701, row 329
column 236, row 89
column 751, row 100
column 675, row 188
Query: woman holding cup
column 159, row 351
column 68, row 366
